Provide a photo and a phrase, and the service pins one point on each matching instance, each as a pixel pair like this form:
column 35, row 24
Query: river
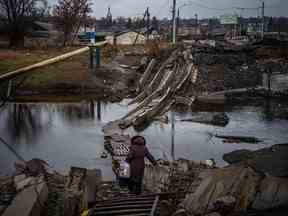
column 70, row 134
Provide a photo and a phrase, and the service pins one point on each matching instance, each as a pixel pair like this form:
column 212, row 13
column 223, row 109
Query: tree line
column 17, row 17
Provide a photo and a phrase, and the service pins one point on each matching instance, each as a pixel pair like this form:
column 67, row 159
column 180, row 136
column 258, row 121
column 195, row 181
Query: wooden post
column 269, row 74
column 91, row 57
column 97, row 56
column 9, row 88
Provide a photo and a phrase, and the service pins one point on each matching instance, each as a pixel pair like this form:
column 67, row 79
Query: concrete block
column 24, row 183
column 19, row 178
column 92, row 182
column 30, row 200
column 2, row 208
column 273, row 193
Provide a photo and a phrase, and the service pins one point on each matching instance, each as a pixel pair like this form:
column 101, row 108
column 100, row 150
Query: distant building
column 41, row 30
column 189, row 30
column 126, row 38
column 42, row 34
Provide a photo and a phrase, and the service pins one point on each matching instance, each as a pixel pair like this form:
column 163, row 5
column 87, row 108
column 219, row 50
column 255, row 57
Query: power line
column 12, row 150
column 174, row 22
column 190, row 2
column 207, row 7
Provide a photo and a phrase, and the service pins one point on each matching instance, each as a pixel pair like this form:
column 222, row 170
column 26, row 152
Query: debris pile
column 236, row 189
column 34, row 190
column 176, row 178
column 7, row 192
column 272, row 160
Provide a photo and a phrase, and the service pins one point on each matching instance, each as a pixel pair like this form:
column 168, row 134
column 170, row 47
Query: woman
column 138, row 151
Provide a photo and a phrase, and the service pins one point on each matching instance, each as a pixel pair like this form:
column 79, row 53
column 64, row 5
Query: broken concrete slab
column 237, row 156
column 30, row 201
column 238, row 139
column 19, row 178
column 217, row 119
column 238, row 181
column 74, row 199
column 273, row 193
column 2, row 208
column 24, row 183
column 236, row 188
column 273, row 160
column 92, row 182
column 213, row 214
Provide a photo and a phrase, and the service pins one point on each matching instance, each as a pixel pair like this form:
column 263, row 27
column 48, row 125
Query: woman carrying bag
column 138, row 151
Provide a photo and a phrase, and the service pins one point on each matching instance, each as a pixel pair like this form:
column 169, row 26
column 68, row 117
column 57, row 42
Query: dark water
column 70, row 134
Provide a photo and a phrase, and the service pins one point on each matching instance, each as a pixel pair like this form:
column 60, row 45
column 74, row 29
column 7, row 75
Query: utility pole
column 263, row 19
column 174, row 22
column 147, row 22
column 172, row 136
column 178, row 21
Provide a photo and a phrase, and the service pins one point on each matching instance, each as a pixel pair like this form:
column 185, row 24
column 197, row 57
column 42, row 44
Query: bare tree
column 70, row 15
column 18, row 15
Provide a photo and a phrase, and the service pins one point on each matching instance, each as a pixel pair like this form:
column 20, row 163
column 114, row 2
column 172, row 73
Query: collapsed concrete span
column 157, row 97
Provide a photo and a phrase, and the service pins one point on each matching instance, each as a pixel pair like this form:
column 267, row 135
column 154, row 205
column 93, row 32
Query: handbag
column 124, row 170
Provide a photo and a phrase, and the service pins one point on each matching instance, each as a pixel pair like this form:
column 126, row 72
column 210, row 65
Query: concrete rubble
column 272, row 161
column 49, row 193
column 30, row 198
column 217, row 119
column 203, row 190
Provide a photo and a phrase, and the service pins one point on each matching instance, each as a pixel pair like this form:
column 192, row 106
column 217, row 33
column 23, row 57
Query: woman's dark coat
column 136, row 157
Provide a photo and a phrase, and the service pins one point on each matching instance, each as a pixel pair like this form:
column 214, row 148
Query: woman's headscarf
column 138, row 140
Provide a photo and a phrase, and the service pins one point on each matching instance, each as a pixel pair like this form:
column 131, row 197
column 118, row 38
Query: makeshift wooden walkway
column 142, row 205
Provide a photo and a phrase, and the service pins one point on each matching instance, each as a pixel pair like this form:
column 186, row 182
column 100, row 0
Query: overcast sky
column 204, row 8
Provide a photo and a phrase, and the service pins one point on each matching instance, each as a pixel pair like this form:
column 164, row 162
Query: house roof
column 126, row 31
column 44, row 26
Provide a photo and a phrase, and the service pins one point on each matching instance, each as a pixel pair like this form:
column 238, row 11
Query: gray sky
column 204, row 8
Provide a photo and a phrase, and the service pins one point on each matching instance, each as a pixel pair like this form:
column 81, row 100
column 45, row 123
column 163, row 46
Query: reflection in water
column 99, row 110
column 268, row 113
column 83, row 111
column 274, row 109
column 76, row 112
column 28, row 121
column 24, row 122
column 173, row 136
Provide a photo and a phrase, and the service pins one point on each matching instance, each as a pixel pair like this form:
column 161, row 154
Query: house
column 42, row 34
column 41, row 30
column 126, row 38
column 189, row 30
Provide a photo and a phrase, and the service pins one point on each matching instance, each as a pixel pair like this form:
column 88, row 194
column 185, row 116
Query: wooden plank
column 154, row 207
column 135, row 206
column 128, row 199
column 125, row 203
column 138, row 214
column 121, row 212
column 147, row 73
